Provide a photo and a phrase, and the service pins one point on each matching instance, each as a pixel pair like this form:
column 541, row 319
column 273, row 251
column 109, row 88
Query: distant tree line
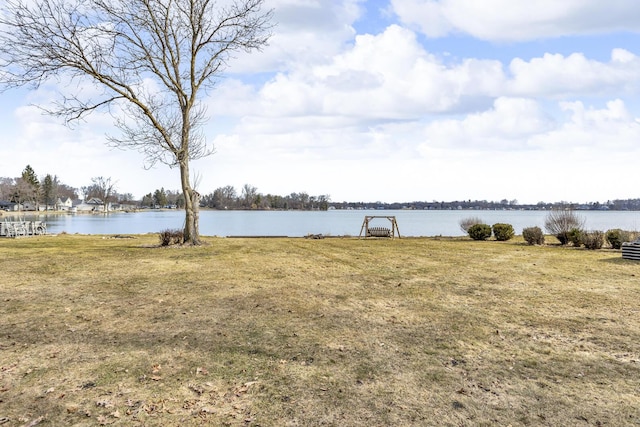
column 43, row 191
column 626, row 204
column 162, row 198
column 28, row 188
column 433, row 205
column 249, row 198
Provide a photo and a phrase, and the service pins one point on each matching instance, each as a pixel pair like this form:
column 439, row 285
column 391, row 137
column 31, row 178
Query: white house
column 92, row 205
column 64, row 205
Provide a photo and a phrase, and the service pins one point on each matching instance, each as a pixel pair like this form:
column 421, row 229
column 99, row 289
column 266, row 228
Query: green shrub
column 503, row 232
column 480, row 231
column 576, row 237
column 616, row 237
column 171, row 237
column 533, row 235
column 593, row 239
column 563, row 237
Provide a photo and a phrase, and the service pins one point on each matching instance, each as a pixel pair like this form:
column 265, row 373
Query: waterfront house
column 92, row 205
column 65, row 205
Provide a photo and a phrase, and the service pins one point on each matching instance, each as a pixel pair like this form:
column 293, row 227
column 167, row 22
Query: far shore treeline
column 45, row 193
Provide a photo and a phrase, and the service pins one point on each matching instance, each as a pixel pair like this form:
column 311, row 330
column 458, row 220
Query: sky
column 395, row 101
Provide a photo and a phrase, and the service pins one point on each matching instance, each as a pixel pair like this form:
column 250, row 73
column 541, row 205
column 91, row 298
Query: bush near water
column 533, row 235
column 503, row 232
column 480, row 231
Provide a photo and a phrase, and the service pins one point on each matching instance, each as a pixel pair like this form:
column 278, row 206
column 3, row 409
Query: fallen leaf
column 196, row 388
column 34, row 422
column 105, row 404
column 132, row 404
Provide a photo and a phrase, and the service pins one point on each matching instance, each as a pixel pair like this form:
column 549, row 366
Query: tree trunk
column 195, row 203
column 191, row 201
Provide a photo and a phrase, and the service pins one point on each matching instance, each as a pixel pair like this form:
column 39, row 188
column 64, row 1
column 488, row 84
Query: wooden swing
column 379, row 231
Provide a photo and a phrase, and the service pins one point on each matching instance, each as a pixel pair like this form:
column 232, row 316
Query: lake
column 301, row 223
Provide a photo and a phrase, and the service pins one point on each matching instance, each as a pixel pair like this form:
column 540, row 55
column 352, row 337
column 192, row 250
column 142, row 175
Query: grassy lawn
column 335, row 332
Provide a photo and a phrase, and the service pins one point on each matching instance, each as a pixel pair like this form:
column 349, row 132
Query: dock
column 22, row 228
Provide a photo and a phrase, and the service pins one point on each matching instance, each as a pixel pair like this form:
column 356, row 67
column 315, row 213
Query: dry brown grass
column 295, row 332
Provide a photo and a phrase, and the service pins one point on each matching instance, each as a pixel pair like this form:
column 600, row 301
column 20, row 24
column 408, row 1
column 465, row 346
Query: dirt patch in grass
column 298, row 332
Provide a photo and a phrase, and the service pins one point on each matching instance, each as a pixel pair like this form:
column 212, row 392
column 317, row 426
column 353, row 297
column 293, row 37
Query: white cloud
column 518, row 124
column 558, row 75
column 507, row 126
column 608, row 129
column 306, row 32
column 390, row 76
column 509, row 20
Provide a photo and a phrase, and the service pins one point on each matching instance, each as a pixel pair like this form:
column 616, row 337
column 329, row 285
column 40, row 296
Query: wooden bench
column 378, row 232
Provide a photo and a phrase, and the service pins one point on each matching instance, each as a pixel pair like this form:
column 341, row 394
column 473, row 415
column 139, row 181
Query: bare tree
column 150, row 62
column 103, row 189
column 222, row 198
column 249, row 194
column 21, row 192
column 561, row 222
column 466, row 223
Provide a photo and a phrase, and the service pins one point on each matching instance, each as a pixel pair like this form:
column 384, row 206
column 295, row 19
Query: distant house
column 92, row 205
column 8, row 206
column 64, row 205
column 125, row 206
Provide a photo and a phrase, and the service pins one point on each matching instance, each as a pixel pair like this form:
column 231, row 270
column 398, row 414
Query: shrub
column 533, row 235
column 171, row 237
column 503, row 232
column 480, row 231
column 616, row 237
column 466, row 223
column 576, row 237
column 561, row 222
column 593, row 239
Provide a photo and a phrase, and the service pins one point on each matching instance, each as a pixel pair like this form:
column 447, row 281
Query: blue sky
column 396, row 100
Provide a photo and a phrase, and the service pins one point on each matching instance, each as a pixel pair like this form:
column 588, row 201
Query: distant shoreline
column 332, row 208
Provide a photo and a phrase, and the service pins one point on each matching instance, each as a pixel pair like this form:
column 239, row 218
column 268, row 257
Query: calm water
column 334, row 223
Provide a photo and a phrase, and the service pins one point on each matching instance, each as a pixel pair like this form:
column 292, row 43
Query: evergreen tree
column 160, row 198
column 32, row 185
column 49, row 190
